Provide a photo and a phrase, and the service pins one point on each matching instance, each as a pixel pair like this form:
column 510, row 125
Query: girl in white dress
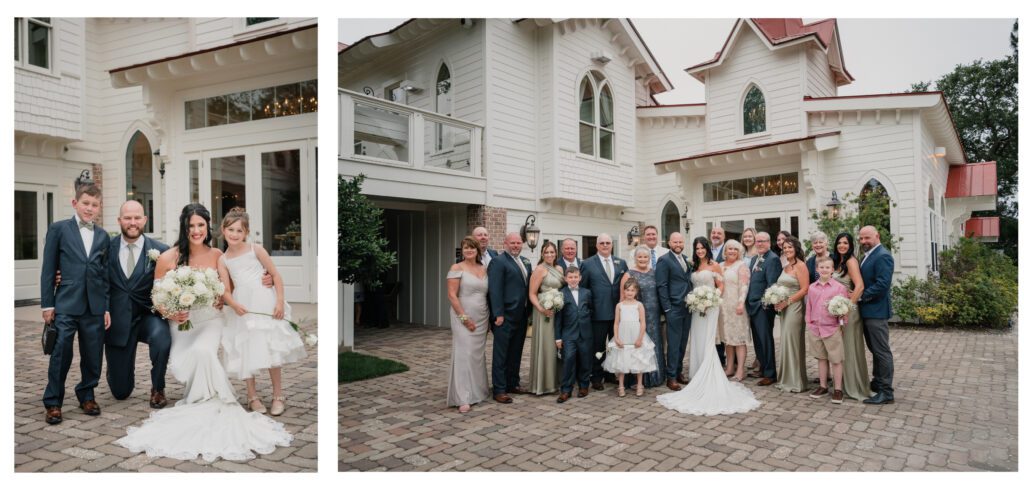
column 630, row 350
column 258, row 336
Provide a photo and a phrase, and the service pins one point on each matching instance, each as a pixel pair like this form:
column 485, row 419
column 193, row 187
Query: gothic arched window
column 754, row 111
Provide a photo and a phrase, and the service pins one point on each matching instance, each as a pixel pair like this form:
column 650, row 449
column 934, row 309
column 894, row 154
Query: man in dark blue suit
column 602, row 274
column 508, row 277
column 573, row 336
column 875, row 308
column 765, row 269
column 673, row 281
column 481, row 235
column 130, row 272
column 78, row 248
column 568, row 256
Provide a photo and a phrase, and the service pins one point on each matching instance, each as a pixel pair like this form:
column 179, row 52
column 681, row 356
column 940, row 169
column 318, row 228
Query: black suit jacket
column 605, row 294
column 673, row 284
column 572, row 322
column 83, row 280
column 508, row 290
column 130, row 297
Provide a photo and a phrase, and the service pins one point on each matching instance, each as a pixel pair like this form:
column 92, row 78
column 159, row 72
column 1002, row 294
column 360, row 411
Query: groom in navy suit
column 875, row 308
column 130, row 272
column 508, row 277
column 673, row 280
column 602, row 274
column 79, row 249
column 765, row 269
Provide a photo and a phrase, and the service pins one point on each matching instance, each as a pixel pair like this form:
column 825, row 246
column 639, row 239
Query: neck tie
column 522, row 268
column 608, row 268
column 654, row 259
column 131, row 259
column 83, row 224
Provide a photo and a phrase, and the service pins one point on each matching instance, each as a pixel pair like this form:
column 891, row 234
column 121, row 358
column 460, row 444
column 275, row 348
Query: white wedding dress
column 710, row 392
column 208, row 420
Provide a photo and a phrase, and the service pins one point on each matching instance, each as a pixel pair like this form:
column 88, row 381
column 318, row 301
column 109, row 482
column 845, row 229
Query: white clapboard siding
column 546, row 155
column 659, row 142
column 219, row 31
column 777, row 73
column 820, row 81
column 50, row 104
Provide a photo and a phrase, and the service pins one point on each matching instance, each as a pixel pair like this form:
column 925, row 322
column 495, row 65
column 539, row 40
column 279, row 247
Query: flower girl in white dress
column 630, row 350
column 258, row 334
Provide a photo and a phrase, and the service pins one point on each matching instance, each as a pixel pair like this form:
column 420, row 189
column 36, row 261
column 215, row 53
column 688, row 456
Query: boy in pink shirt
column 826, row 334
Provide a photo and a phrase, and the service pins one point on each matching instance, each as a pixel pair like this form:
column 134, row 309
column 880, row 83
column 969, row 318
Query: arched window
column 754, row 111
column 597, row 117
column 669, row 221
column 874, row 204
column 139, row 175
column 444, row 106
column 931, row 198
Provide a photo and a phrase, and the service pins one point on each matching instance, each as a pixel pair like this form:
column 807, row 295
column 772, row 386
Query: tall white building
column 464, row 122
column 169, row 111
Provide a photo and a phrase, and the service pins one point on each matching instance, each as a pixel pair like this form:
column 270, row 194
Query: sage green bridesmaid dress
column 856, row 383
column 792, row 363
column 543, row 353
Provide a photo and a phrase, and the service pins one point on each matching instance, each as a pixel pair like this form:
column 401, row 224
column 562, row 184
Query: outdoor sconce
column 634, row 236
column 530, row 233
column 411, row 86
column 834, row 205
column 940, row 151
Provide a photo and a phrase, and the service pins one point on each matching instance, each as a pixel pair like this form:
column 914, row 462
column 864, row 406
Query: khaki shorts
column 830, row 347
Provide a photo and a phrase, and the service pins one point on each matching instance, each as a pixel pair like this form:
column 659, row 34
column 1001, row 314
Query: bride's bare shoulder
column 169, row 257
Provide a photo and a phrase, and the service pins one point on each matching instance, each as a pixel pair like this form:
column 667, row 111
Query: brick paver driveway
column 84, row 443
column 956, row 410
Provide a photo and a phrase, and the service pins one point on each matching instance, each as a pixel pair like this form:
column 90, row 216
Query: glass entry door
column 33, row 214
column 276, row 185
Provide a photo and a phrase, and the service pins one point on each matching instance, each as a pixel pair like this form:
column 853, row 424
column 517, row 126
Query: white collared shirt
column 122, row 253
column 868, row 254
column 87, row 234
column 486, row 259
column 574, row 262
column 716, row 250
column 611, row 266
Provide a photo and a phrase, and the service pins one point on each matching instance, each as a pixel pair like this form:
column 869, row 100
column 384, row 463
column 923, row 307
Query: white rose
column 187, row 299
column 218, row 288
column 311, row 340
column 153, row 254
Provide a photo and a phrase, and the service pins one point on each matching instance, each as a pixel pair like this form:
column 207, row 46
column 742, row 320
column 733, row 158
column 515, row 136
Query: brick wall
column 494, row 219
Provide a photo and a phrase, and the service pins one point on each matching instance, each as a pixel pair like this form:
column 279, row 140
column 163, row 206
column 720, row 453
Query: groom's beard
column 131, row 233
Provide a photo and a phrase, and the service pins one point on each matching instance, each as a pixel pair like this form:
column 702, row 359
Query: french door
column 276, row 184
column 770, row 223
column 33, row 214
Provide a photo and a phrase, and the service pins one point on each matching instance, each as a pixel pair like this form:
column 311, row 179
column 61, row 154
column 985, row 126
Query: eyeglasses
column 604, row 243
column 761, row 241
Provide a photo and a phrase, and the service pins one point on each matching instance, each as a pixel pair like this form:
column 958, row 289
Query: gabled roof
column 781, row 33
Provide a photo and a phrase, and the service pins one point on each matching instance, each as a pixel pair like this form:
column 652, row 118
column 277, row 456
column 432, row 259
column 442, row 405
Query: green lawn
column 353, row 366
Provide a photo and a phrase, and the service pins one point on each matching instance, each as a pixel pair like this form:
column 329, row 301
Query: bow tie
column 82, row 224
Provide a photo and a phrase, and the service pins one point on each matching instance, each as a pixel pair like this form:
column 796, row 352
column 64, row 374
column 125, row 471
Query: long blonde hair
column 236, row 215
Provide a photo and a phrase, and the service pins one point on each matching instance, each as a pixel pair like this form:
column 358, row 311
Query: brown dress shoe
column 53, row 415
column 157, row 399
column 673, row 385
column 766, row 382
column 518, row 391
column 90, row 407
column 562, row 397
column 599, row 385
column 682, row 380
column 502, row 398
column 819, row 392
column 583, row 393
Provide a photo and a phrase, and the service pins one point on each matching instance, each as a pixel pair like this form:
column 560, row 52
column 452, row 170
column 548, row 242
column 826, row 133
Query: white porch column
column 346, row 303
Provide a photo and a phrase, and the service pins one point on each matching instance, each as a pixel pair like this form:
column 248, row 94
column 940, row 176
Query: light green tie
column 608, row 269
column 131, row 259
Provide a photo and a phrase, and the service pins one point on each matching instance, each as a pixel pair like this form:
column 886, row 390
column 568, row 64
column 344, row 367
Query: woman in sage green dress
column 792, row 360
column 856, row 383
column 543, row 353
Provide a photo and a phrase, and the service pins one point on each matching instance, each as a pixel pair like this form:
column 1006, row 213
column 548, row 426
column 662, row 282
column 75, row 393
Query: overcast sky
column 883, row 55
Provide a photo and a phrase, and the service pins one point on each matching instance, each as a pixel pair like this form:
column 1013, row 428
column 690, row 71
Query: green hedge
column 975, row 287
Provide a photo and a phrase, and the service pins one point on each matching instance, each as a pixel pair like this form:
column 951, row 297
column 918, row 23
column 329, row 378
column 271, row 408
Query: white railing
column 373, row 130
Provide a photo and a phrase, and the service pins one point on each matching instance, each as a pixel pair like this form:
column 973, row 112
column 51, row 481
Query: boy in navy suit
column 78, row 248
column 573, row 336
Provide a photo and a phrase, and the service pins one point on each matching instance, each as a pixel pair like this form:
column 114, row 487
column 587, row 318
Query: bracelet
column 463, row 317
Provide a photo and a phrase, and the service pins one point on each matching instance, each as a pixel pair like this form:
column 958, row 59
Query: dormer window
column 597, row 117
column 754, row 111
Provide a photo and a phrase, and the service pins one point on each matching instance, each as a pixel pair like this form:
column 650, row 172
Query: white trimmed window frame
column 21, row 53
column 596, row 129
column 740, row 135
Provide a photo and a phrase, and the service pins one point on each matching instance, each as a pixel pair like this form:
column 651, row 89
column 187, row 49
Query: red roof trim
column 216, row 48
column 982, row 227
column 399, row 26
column 747, row 148
column 718, row 55
column 972, row 180
column 670, row 105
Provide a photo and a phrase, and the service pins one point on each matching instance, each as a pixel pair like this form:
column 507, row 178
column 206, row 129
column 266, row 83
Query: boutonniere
column 153, row 254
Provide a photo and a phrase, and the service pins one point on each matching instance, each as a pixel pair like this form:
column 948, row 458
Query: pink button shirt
column 819, row 321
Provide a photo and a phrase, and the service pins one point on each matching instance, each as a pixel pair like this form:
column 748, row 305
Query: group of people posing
column 99, row 288
column 606, row 317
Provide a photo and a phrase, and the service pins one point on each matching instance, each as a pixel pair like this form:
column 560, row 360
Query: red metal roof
column 987, row 227
column 746, row 148
column 975, row 179
column 341, row 47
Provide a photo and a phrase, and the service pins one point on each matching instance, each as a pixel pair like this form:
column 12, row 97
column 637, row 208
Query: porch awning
column 824, row 141
column 984, row 229
column 972, row 180
column 279, row 44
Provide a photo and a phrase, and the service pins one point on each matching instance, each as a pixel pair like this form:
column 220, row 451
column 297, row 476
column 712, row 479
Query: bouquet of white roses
column 185, row 288
column 551, row 300
column 839, row 307
column 702, row 299
column 774, row 295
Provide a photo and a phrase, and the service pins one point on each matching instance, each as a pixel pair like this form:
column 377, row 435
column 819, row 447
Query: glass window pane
column 38, row 45
column 216, row 111
column 227, row 190
column 772, row 185
column 239, row 107
column 709, row 192
column 794, row 226
column 308, row 99
column 282, row 203
column 251, row 21
column 741, row 188
column 772, row 226
column 790, row 183
column 586, row 139
column 193, row 172
column 262, row 104
column 49, row 209
column 733, row 229
column 381, row 133
column 669, row 220
column 26, row 226
column 607, row 109
column 286, row 100
column 17, row 39
column 586, row 101
column 607, row 145
column 195, row 114
column 753, row 111
column 139, row 175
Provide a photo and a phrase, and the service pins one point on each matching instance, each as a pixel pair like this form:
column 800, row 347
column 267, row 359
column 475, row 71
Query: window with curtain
column 597, row 117
column 754, row 111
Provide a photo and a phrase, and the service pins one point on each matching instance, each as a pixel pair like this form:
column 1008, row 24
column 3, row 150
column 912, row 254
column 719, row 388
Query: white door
column 33, row 213
column 275, row 183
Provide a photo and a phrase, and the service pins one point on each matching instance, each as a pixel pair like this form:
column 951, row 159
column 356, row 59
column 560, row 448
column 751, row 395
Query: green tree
column 362, row 251
column 871, row 207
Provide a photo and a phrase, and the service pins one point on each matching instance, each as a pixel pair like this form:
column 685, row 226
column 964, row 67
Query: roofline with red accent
column 215, row 48
column 748, row 148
